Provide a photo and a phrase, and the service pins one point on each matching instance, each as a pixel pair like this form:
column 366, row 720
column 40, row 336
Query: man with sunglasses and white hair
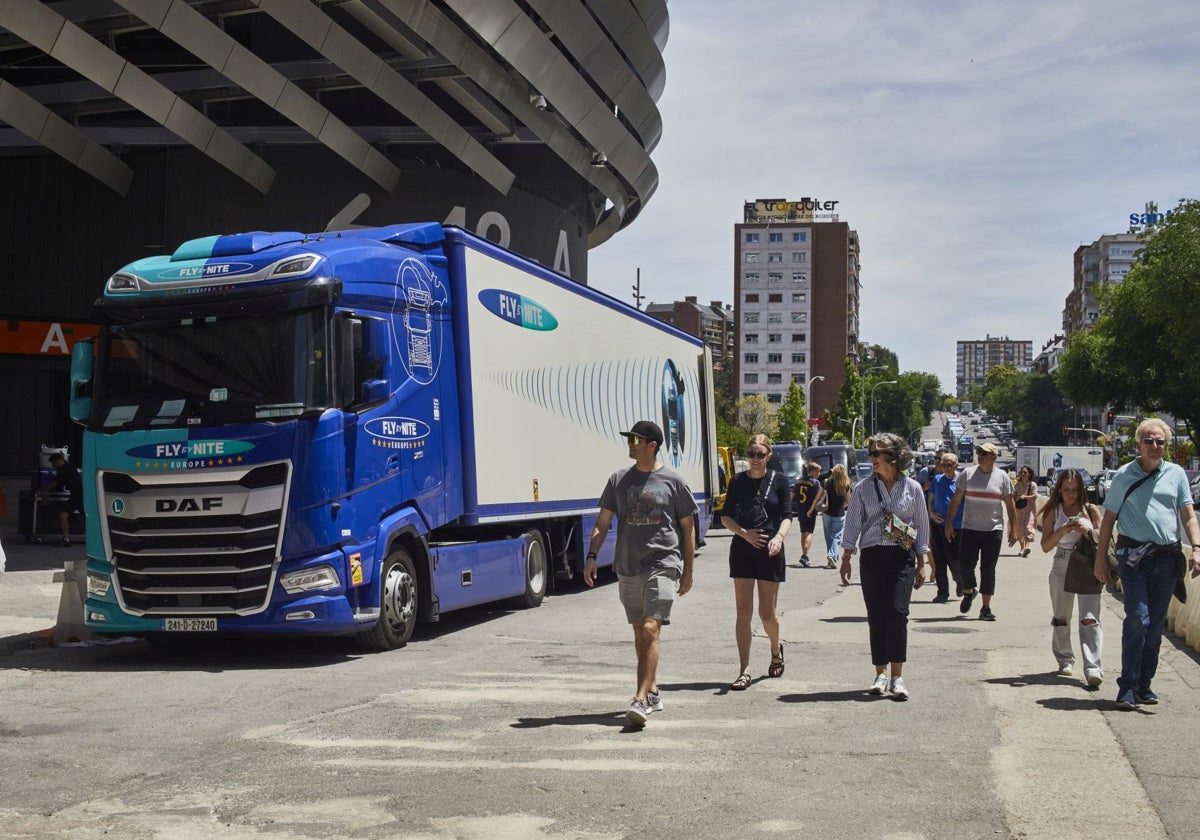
column 656, row 547
column 1151, row 496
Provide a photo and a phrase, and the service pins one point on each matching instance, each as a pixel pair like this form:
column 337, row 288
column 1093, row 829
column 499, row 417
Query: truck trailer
column 1043, row 459
column 350, row 432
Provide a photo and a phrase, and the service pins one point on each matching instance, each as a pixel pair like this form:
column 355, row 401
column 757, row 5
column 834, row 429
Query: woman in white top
column 1065, row 518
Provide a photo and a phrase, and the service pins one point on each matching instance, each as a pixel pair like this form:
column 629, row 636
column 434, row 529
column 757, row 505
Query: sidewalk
column 29, row 594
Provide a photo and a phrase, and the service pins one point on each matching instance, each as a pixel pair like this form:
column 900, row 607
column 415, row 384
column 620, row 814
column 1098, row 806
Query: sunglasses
column 635, row 440
column 1153, row 442
column 756, row 454
column 875, row 453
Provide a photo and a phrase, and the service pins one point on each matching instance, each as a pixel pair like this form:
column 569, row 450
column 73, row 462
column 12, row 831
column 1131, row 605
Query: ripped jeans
column 1062, row 605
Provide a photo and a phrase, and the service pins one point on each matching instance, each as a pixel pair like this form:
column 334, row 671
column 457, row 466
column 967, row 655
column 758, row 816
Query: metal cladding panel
column 145, row 94
column 347, row 52
column 490, row 20
column 241, row 161
column 190, row 124
column 191, row 30
column 88, row 57
column 23, row 113
column 32, row 22
column 246, row 69
column 63, row 138
column 153, row 12
column 301, row 109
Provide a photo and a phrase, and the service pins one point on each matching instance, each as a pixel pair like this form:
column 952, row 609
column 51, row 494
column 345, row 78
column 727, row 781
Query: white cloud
column 972, row 146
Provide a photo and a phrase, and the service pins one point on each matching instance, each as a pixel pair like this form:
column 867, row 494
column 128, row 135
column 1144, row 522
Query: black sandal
column 776, row 669
column 741, row 683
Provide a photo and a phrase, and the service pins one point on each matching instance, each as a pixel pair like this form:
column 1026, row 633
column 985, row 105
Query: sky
column 973, row 146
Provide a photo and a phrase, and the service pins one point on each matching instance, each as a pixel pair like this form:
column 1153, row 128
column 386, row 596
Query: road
column 509, row 724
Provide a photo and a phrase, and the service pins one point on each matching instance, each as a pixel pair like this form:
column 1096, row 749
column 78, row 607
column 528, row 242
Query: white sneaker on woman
column 880, row 686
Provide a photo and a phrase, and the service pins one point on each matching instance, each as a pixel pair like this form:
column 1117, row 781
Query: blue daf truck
column 353, row 431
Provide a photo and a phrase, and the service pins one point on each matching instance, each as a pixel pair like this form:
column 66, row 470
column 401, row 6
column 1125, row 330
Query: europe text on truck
column 351, row 432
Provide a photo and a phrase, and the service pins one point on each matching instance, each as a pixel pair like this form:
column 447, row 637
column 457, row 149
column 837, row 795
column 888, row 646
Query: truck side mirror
column 82, row 365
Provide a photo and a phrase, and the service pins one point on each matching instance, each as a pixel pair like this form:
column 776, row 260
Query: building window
column 799, row 276
column 775, row 399
column 775, row 277
column 750, row 358
column 797, row 338
column 751, row 317
column 774, row 338
column 752, row 338
column 749, row 378
column 775, row 298
column 800, row 256
column 775, row 237
column 751, row 256
column 752, row 298
column 774, row 378
column 799, row 317
column 799, row 358
column 774, row 358
column 798, row 378
column 750, row 277
column 774, row 317
column 751, row 237
column 801, row 236
column 799, row 297
column 774, row 257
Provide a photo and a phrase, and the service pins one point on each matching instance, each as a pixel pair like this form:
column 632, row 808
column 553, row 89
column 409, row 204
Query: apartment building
column 796, row 292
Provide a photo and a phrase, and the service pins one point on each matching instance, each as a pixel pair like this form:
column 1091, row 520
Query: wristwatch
column 591, row 555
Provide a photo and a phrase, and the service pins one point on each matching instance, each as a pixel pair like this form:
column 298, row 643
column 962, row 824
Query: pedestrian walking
column 1066, row 517
column 758, row 512
column 1025, row 496
column 1151, row 497
column 986, row 493
column 945, row 552
column 888, row 521
column 655, row 551
column 833, row 520
column 808, row 496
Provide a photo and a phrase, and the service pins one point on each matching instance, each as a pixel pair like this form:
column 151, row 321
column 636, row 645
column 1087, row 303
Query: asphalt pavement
column 1046, row 757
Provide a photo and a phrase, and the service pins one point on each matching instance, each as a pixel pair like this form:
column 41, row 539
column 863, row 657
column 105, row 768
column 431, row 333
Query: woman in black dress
column 758, row 512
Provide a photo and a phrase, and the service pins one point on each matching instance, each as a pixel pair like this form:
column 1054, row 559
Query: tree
column 755, row 415
column 1141, row 351
column 792, row 418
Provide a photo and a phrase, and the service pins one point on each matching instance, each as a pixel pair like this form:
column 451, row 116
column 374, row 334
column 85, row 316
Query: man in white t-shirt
column 986, row 492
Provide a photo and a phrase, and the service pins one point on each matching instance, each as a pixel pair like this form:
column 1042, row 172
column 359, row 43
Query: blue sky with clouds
column 972, row 145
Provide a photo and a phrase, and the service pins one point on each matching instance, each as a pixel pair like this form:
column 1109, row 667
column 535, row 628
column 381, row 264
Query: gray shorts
column 648, row 595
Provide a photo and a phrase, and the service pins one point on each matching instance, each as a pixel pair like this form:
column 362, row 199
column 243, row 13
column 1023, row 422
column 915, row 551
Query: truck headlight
column 309, row 580
column 97, row 585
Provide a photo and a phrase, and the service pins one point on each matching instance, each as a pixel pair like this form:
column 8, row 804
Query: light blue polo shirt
column 1151, row 513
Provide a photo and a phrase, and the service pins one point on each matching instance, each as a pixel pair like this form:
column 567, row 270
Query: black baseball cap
column 646, row 429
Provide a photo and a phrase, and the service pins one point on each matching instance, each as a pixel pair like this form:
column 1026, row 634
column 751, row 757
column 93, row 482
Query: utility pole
column 638, row 297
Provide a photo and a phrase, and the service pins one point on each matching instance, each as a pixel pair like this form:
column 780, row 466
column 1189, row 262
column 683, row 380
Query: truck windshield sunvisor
column 235, row 369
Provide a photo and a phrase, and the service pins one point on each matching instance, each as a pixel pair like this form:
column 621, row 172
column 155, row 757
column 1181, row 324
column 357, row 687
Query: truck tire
column 537, row 571
column 398, row 597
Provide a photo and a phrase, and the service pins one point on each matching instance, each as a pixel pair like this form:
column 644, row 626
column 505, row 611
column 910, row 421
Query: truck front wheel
column 537, row 570
column 397, row 604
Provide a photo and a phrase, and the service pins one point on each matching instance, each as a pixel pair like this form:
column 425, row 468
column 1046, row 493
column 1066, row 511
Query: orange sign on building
column 42, row 338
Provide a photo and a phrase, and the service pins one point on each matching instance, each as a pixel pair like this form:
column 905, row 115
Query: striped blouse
column 865, row 513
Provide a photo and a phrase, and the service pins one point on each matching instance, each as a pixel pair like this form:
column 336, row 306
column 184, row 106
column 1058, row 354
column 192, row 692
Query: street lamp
column 808, row 409
column 873, row 387
column 862, row 381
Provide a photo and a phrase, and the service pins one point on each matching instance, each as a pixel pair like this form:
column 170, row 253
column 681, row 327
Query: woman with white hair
column 1151, row 496
column 888, row 520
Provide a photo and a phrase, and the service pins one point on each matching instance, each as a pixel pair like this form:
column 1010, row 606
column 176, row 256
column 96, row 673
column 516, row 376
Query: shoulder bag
column 1081, row 576
column 895, row 529
column 752, row 513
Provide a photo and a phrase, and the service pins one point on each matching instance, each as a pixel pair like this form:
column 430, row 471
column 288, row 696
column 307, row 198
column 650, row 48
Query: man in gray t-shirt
column 986, row 492
column 656, row 545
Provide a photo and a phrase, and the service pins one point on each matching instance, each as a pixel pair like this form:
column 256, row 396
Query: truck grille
column 197, row 543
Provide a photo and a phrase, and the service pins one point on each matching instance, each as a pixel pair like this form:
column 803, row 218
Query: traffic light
column 1111, row 415
column 1066, row 430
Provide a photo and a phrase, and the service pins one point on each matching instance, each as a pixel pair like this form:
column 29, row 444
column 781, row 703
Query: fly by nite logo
column 518, row 309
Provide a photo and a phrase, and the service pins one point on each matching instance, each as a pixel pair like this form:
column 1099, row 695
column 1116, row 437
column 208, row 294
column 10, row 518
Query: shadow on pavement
column 845, row 619
column 608, row 719
column 858, row 695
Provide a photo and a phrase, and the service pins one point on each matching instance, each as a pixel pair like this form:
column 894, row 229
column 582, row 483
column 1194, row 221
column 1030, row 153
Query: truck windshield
column 212, row 369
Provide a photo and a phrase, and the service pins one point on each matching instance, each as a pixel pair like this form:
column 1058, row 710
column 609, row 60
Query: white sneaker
column 1094, row 678
column 1066, row 670
column 899, row 691
column 880, row 686
column 654, row 701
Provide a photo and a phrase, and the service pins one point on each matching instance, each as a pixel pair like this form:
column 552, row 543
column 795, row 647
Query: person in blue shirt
column 1151, row 496
column 945, row 552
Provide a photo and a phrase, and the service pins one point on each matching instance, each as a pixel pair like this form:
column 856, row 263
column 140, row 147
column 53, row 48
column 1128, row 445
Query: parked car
column 1104, row 480
column 829, row 454
column 788, row 456
column 1089, row 483
column 1195, row 489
